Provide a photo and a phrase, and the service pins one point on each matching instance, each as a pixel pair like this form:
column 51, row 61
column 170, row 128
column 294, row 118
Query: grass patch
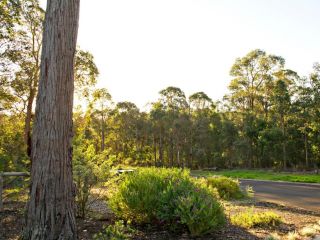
column 251, row 219
column 261, row 175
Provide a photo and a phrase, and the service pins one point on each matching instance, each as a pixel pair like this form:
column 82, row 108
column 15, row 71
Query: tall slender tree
column 50, row 211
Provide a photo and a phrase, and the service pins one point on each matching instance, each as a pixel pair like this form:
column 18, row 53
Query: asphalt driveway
column 301, row 195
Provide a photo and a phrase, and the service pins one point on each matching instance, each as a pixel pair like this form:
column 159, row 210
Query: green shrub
column 142, row 194
column 199, row 211
column 169, row 196
column 227, row 188
column 251, row 219
column 89, row 170
column 118, row 231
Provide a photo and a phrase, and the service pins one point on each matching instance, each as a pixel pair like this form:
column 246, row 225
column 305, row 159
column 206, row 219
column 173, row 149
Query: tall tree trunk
column 284, row 144
column 178, row 156
column 250, row 159
column 32, row 91
column 160, row 150
column 306, row 150
column 27, row 122
column 171, row 152
column 155, row 150
column 102, row 133
column 50, row 211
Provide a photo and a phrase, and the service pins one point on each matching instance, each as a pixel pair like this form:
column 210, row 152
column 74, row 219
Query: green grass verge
column 261, row 175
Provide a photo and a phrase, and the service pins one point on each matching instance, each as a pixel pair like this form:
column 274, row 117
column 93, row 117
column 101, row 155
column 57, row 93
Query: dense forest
column 268, row 119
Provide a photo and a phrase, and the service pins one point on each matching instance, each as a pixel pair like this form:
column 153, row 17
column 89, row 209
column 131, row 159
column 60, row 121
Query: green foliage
column 139, row 196
column 90, row 168
column 250, row 219
column 86, row 72
column 169, row 196
column 117, row 231
column 199, row 211
column 227, row 188
column 13, row 155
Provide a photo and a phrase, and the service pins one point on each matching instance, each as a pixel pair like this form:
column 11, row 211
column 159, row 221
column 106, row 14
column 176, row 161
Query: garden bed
column 11, row 222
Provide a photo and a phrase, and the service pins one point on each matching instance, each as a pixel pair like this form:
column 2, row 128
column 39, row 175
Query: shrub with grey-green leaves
column 168, row 196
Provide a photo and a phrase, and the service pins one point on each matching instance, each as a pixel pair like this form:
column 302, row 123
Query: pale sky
column 143, row 46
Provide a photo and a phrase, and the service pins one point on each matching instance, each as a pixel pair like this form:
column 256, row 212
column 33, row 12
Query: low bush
column 117, row 231
column 200, row 210
column 227, row 188
column 167, row 196
column 250, row 219
column 90, row 169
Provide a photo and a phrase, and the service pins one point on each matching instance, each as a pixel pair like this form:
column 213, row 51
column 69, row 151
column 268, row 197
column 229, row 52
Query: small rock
column 317, row 237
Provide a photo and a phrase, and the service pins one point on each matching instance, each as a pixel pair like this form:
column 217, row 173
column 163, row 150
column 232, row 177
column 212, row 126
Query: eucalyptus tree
column 315, row 86
column 175, row 104
column 28, row 43
column 308, row 113
column 50, row 210
column 157, row 118
column 103, row 103
column 86, row 74
column 199, row 101
column 303, row 106
column 173, row 99
column 252, row 76
column 124, row 129
column 10, row 11
column 200, row 134
column 281, row 105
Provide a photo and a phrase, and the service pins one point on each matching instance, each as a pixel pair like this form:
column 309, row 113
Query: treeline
column 268, row 119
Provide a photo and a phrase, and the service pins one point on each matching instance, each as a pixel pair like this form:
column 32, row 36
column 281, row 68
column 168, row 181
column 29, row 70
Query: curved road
column 301, row 195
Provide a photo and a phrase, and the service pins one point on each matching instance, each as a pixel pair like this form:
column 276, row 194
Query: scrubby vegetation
column 168, row 196
column 117, row 231
column 253, row 219
column 227, row 188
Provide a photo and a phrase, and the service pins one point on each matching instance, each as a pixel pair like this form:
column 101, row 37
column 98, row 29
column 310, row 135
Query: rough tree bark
column 50, row 211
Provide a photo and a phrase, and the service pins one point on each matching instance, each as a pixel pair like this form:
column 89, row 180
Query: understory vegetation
column 117, row 231
column 251, row 219
column 169, row 197
column 227, row 188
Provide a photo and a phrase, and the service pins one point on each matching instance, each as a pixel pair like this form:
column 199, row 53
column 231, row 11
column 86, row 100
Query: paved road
column 302, row 195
